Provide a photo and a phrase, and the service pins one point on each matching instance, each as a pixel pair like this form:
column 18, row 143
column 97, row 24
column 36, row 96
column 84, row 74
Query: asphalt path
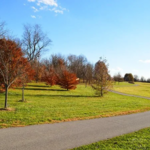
column 67, row 135
column 120, row 93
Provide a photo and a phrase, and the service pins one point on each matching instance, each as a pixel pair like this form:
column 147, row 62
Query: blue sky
column 118, row 30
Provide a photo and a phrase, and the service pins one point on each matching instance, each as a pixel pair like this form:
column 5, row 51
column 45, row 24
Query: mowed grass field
column 134, row 141
column 52, row 104
column 139, row 88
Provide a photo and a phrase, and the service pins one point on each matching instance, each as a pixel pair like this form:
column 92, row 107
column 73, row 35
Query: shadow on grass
column 22, row 101
column 64, row 96
column 39, row 86
column 40, row 89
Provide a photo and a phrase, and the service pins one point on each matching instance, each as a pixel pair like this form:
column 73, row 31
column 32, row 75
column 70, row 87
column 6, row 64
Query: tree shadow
column 41, row 89
column 39, row 85
column 63, row 96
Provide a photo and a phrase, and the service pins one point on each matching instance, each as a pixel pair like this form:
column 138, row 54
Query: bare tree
column 143, row 79
column 34, row 41
column 118, row 78
column 88, row 73
column 136, row 78
column 76, row 64
column 148, row 80
column 3, row 31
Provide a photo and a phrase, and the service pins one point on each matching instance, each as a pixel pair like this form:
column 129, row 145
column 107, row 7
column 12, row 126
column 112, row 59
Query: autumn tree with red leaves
column 38, row 69
column 58, row 74
column 49, row 76
column 67, row 80
column 12, row 64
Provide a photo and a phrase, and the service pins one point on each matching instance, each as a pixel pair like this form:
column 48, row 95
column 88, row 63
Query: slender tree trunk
column 101, row 91
column 23, row 92
column 86, row 83
column 6, row 95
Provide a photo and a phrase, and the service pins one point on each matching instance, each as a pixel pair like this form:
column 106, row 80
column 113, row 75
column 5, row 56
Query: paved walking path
column 67, row 135
column 129, row 94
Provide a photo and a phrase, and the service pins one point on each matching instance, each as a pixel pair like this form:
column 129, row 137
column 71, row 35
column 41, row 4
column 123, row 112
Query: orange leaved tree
column 12, row 64
column 67, row 80
column 49, row 76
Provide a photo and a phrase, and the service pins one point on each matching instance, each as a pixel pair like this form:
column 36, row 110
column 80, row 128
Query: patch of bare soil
column 7, row 109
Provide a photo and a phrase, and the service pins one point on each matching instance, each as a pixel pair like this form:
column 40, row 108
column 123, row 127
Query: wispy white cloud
column 144, row 61
column 47, row 2
column 50, row 5
column 34, row 9
column 33, row 16
column 57, row 10
column 31, row 0
column 43, row 8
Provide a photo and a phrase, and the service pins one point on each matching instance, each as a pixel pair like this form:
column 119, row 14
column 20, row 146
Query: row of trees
column 74, row 64
column 97, row 75
column 20, row 63
column 129, row 78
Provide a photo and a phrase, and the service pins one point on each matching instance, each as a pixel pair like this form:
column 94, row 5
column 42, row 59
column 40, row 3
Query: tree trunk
column 101, row 91
column 86, row 83
column 23, row 92
column 6, row 95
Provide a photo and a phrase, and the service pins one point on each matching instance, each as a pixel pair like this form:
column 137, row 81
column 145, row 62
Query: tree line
column 129, row 78
column 20, row 63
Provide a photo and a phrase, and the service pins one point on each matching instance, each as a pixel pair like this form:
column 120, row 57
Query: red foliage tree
column 12, row 64
column 67, row 80
column 49, row 77
column 38, row 69
column 2, row 87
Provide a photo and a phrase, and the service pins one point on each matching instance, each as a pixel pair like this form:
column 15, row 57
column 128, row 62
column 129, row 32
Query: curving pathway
column 120, row 93
column 67, row 135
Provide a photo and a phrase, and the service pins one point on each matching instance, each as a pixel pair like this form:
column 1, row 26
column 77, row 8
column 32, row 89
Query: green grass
column 52, row 104
column 143, row 89
column 134, row 141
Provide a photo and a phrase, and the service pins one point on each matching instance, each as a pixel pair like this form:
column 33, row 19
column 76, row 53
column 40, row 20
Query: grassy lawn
column 51, row 104
column 134, row 141
column 143, row 89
